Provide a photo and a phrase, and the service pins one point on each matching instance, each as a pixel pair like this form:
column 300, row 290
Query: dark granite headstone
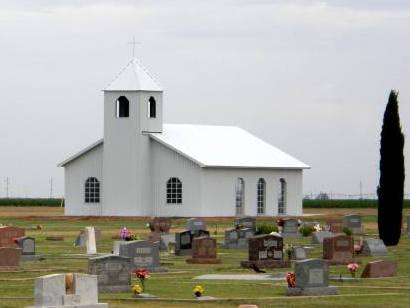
column 114, row 272
column 143, row 254
column 183, row 243
column 266, row 250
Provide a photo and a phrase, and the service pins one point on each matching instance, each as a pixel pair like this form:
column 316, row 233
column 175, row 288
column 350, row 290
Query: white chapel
column 143, row 167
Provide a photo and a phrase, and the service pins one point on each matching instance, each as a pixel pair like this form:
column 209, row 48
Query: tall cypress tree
column 391, row 184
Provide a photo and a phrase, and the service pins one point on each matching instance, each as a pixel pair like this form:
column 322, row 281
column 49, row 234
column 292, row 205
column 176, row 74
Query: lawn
column 175, row 286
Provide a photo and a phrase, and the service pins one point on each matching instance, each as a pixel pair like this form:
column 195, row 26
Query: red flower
column 141, row 273
column 291, row 279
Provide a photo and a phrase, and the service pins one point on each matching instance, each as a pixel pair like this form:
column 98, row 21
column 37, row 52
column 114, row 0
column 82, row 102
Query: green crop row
column 345, row 203
column 31, row 202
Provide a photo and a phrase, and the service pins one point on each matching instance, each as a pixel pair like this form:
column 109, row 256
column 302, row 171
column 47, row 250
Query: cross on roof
column 133, row 43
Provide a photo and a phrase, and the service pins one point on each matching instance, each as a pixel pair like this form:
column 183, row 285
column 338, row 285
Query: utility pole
column 7, row 187
column 361, row 190
column 51, row 187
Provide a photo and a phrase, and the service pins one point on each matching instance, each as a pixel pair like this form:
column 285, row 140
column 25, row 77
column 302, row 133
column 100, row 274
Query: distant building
column 143, row 167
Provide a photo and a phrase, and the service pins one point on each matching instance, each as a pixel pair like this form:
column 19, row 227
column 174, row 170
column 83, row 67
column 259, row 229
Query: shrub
column 265, row 228
column 347, row 231
column 306, row 230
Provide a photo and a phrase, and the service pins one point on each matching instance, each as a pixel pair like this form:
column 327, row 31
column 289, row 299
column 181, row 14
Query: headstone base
column 113, row 289
column 99, row 305
column 266, row 263
column 311, row 291
column 28, row 258
column 203, row 261
column 144, row 295
column 291, row 235
column 205, row 298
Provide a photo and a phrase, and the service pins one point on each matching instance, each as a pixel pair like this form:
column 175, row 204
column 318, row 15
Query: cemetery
column 93, row 265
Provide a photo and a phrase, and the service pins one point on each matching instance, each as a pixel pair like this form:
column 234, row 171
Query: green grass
column 175, row 287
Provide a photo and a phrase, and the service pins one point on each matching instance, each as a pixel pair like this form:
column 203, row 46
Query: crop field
column 174, row 288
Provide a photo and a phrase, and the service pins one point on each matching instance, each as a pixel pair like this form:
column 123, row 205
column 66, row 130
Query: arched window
column 282, row 197
column 152, row 107
column 174, row 191
column 92, row 191
column 239, row 196
column 122, row 107
column 261, row 196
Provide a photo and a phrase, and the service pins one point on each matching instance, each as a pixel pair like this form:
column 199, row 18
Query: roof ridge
column 146, row 71
column 118, row 74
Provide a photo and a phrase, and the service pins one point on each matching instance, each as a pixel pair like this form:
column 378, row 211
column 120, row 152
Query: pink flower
column 352, row 266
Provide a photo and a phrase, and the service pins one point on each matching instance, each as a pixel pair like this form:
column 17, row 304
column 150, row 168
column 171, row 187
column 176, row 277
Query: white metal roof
column 82, row 152
column 133, row 77
column 224, row 146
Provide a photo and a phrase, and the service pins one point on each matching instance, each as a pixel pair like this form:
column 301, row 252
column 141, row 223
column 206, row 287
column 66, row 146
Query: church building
column 143, row 167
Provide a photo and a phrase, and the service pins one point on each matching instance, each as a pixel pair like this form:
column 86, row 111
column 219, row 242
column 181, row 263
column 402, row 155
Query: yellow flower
column 198, row 289
column 136, row 289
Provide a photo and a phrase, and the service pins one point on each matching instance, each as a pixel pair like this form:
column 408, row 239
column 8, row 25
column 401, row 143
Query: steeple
column 134, row 77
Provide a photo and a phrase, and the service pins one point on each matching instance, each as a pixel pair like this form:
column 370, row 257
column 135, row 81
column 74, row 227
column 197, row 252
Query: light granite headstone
column 28, row 247
column 317, row 237
column 238, row 238
column 245, row 222
column 143, row 254
column 114, row 272
column 195, row 224
column 298, row 253
column 353, row 222
column 67, row 290
column 90, row 242
column 374, row 247
column 290, row 228
column 312, row 278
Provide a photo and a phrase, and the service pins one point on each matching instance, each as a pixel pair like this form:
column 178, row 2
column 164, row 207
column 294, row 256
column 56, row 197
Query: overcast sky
column 310, row 77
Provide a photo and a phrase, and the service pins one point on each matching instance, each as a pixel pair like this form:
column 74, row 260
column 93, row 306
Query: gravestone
column 237, row 238
column 90, row 242
column 380, row 268
column 195, row 225
column 298, row 253
column 318, row 236
column 312, row 278
column 66, row 290
column 374, row 247
column 203, row 251
column 338, row 249
column 290, row 228
column 183, row 243
column 113, row 272
column 160, row 224
column 335, row 226
column 353, row 222
column 143, row 254
column 10, row 256
column 8, row 234
column 245, row 222
column 265, row 251
column 28, row 248
column 408, row 224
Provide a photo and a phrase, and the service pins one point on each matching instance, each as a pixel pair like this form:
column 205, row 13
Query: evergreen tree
column 391, row 184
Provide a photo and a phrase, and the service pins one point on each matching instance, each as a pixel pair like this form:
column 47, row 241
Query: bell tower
column 132, row 109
